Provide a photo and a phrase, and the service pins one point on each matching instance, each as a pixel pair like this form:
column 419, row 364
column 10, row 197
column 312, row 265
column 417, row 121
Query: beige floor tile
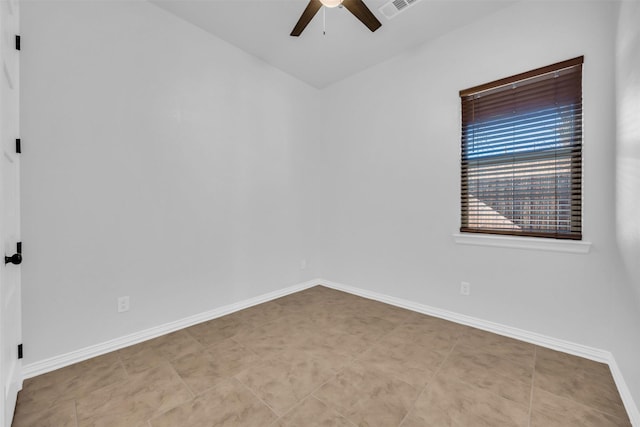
column 411, row 361
column 313, row 413
column 367, row 396
column 334, row 345
column 285, row 380
column 198, row 371
column 578, row 379
column 348, row 307
column 307, row 320
column 439, row 335
column 175, row 345
column 549, row 410
column 272, row 338
column 259, row 314
column 62, row 414
column 231, row 357
column 115, row 420
column 497, row 345
column 557, row 359
column 429, row 324
column 133, row 401
column 509, row 377
column 369, row 328
column 324, row 357
column 227, row 404
column 344, row 342
column 298, row 300
column 450, row 402
column 333, row 357
column 140, row 357
column 201, row 371
column 71, row 382
column 388, row 312
column 158, row 351
column 215, row 330
column 430, row 419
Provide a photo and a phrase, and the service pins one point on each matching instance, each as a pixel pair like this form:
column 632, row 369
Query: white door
column 10, row 315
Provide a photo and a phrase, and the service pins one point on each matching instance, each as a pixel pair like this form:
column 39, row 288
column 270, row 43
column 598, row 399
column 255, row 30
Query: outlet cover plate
column 123, row 304
column 465, row 288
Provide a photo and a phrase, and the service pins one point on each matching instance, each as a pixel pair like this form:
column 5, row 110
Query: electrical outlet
column 303, row 264
column 123, row 304
column 465, row 288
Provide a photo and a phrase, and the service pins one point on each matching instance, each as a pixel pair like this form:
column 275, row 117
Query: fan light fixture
column 356, row 7
column 331, row 3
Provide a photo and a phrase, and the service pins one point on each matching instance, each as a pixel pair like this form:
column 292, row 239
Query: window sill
column 531, row 243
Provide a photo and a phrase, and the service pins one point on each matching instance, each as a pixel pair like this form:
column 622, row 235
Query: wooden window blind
column 522, row 154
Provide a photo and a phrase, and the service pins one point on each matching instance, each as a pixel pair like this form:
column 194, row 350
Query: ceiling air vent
column 394, row 7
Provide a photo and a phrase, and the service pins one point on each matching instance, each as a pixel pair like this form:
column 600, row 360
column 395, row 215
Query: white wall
column 627, row 346
column 392, row 194
column 160, row 163
column 628, row 140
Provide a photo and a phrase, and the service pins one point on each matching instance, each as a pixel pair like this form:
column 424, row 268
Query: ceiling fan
column 357, row 7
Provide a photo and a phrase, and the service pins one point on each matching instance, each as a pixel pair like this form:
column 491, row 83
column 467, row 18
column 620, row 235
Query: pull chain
column 324, row 21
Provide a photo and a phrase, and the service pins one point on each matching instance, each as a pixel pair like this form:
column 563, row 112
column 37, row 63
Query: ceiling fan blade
column 312, row 8
column 362, row 12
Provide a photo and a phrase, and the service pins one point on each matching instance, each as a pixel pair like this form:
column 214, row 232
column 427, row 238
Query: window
column 522, row 154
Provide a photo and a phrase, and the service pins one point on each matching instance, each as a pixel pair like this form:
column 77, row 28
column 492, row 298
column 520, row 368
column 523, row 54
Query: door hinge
column 18, row 146
column 17, row 42
column 15, row 258
column 19, row 351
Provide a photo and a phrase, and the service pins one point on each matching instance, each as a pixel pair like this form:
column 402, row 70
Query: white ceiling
column 262, row 27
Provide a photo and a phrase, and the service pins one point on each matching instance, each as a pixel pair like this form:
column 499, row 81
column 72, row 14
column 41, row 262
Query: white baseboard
column 625, row 393
column 56, row 362
column 591, row 353
column 497, row 328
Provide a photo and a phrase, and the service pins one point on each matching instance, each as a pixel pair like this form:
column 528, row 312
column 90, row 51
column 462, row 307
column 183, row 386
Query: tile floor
column 321, row 357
